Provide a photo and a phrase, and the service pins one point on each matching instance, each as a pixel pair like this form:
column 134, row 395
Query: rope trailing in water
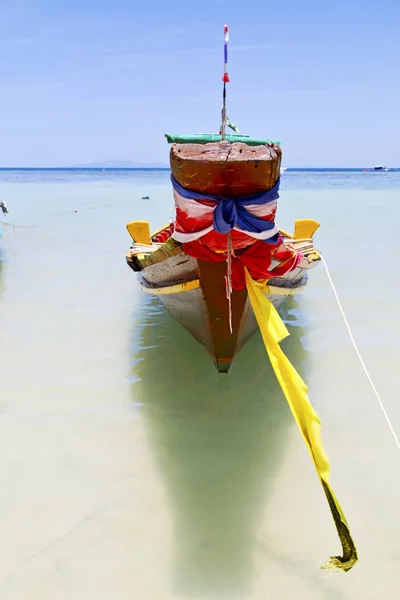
column 273, row 331
column 382, row 406
column 15, row 226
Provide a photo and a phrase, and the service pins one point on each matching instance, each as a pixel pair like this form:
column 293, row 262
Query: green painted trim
column 206, row 138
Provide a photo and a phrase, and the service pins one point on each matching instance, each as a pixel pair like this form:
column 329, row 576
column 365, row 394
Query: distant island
column 119, row 164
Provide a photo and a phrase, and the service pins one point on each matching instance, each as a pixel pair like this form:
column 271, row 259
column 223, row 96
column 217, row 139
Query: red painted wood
column 212, row 282
column 226, row 169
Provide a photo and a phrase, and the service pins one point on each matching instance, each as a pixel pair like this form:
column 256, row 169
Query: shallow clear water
column 129, row 468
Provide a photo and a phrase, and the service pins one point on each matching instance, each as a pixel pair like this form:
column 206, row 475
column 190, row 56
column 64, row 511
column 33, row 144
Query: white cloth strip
column 196, row 209
column 263, row 235
column 262, row 210
column 191, row 237
column 192, row 208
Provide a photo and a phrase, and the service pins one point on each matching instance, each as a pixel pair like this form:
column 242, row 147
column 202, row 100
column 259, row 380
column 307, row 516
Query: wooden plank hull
column 204, row 311
column 194, row 290
column 209, row 329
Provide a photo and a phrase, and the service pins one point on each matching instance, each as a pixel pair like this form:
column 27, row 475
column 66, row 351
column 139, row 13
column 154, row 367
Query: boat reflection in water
column 218, row 442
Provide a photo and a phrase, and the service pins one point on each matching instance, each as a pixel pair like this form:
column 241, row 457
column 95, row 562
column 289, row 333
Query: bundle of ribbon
column 248, row 218
column 256, row 259
column 203, row 223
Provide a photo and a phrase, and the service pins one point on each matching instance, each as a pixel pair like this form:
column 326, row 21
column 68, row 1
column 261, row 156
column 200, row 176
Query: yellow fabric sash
column 273, row 331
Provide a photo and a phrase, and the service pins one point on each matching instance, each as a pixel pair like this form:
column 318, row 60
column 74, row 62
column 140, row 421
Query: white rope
column 14, row 226
column 392, row 431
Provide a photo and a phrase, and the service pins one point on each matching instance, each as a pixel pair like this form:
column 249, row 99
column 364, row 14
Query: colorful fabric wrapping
column 197, row 214
column 256, row 258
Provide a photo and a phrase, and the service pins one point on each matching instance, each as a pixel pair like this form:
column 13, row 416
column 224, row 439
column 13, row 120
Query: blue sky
column 85, row 80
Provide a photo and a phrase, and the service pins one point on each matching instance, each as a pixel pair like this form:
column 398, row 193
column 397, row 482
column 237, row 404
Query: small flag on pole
column 232, row 125
column 225, row 78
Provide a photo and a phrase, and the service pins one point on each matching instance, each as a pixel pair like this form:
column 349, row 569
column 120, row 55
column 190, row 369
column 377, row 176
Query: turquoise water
column 129, row 468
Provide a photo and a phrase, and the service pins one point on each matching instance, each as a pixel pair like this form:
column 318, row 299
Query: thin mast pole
column 223, row 126
column 225, row 79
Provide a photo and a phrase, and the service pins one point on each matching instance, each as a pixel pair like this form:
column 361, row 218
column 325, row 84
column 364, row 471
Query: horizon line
column 167, row 168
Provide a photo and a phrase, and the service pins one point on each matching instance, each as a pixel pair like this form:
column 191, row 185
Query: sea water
column 131, row 469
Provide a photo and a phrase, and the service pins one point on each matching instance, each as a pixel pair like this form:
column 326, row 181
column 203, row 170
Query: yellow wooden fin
column 304, row 228
column 140, row 232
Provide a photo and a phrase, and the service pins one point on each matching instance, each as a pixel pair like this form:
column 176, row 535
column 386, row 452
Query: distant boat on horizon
column 381, row 168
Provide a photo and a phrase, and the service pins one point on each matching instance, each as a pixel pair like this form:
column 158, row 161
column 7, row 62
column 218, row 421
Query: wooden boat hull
column 208, row 323
column 189, row 270
column 194, row 292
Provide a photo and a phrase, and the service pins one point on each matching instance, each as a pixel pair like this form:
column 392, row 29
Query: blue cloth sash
column 231, row 212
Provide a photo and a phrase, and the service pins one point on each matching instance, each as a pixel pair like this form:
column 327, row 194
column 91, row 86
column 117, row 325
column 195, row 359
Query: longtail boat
column 222, row 267
column 226, row 189
column 226, row 194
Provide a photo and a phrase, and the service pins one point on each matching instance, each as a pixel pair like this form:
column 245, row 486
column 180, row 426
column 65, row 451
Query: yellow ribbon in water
column 273, row 332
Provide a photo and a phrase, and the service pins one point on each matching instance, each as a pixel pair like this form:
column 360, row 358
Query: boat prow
column 226, row 193
column 191, row 278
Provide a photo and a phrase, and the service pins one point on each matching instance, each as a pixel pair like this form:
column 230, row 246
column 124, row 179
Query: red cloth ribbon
column 256, row 258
